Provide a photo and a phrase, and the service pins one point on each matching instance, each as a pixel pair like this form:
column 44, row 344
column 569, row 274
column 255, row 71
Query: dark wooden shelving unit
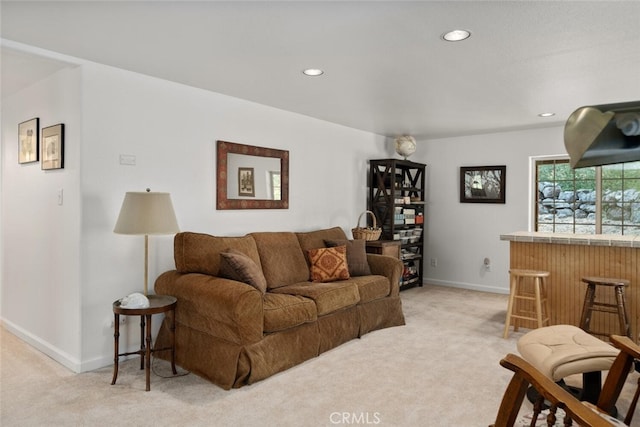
column 397, row 199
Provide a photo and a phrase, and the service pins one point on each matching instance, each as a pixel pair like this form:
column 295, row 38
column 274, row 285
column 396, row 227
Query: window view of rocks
column 571, row 201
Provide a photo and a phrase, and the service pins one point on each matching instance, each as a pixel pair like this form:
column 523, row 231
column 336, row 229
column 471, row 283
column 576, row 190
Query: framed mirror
column 250, row 177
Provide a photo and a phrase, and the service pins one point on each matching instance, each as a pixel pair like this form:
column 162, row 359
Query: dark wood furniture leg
column 116, row 339
column 147, row 355
column 589, row 298
column 142, row 349
column 172, row 328
column 622, row 311
column 632, row 407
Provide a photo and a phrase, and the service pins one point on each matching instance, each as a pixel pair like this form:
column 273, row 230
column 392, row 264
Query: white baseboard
column 98, row 362
column 470, row 286
column 66, row 359
column 45, row 347
column 58, row 355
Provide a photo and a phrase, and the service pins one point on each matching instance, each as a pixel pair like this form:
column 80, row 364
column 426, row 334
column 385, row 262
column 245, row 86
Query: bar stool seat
column 518, row 296
column 591, row 304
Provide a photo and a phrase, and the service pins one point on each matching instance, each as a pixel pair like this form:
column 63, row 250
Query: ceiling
column 386, row 68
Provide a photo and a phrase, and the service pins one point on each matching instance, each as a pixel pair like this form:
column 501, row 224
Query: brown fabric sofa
column 233, row 334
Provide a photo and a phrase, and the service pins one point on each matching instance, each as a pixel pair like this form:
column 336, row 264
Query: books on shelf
column 409, row 280
column 409, row 216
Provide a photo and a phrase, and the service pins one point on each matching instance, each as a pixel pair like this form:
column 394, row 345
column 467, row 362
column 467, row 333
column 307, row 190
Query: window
column 621, row 199
column 274, row 182
column 592, row 200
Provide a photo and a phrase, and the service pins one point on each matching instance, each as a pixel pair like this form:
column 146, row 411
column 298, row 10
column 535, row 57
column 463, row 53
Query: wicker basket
column 367, row 233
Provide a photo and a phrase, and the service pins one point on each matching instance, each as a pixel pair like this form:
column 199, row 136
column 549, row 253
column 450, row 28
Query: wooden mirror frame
column 223, row 202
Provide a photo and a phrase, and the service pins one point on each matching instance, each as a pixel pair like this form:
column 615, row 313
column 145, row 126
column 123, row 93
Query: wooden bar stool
column 591, row 304
column 516, row 309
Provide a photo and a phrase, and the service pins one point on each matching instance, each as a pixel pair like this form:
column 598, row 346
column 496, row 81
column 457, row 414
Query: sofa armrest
column 224, row 308
column 389, row 267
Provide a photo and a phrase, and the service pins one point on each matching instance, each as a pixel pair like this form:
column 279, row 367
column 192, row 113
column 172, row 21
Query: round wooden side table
column 157, row 304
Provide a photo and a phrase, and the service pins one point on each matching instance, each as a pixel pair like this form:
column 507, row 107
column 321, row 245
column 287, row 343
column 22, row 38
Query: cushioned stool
column 591, row 304
column 562, row 350
column 518, row 296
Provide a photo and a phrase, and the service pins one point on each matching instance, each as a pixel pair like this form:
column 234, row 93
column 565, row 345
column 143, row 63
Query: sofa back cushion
column 283, row 262
column 315, row 239
column 356, row 255
column 200, row 253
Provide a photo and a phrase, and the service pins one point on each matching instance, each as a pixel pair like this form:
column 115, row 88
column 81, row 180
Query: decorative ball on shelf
column 405, row 145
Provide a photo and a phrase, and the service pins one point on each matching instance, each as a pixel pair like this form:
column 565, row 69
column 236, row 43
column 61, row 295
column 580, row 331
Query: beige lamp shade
column 146, row 213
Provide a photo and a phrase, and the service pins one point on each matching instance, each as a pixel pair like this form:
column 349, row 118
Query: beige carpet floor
column 441, row 369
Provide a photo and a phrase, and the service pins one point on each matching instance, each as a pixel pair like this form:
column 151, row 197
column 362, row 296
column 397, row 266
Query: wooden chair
column 527, row 304
column 591, row 304
column 587, row 416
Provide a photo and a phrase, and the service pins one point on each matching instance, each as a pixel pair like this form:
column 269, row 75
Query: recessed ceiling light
column 547, row 114
column 312, row 72
column 456, row 35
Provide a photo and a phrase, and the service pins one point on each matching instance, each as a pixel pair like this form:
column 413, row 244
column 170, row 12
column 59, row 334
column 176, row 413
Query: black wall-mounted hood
column 603, row 134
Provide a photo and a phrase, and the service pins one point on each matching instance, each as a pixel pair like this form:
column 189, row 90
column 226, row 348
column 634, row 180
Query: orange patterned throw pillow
column 329, row 264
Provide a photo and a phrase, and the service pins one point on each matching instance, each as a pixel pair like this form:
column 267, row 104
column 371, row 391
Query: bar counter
column 569, row 258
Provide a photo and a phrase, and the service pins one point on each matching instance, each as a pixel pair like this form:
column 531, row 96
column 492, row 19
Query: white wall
column 461, row 235
column 41, row 239
column 63, row 266
column 172, row 130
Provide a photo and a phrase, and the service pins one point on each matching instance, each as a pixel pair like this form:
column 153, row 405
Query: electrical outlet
column 434, row 262
column 123, row 320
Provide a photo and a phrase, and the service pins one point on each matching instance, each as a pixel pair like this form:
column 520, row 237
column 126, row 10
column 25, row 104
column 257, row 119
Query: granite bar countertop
column 573, row 239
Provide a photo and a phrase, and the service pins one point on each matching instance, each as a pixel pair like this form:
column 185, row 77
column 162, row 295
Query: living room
column 62, row 265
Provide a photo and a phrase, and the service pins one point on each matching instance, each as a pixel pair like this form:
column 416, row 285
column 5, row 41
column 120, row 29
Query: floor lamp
column 145, row 213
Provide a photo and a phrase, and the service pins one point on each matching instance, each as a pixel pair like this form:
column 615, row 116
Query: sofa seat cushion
column 328, row 297
column 371, row 288
column 283, row 311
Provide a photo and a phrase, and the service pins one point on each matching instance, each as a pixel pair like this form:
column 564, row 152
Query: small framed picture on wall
column 28, row 141
column 483, row 184
column 53, row 147
column 246, row 182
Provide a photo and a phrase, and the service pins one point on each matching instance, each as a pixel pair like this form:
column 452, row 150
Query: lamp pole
column 146, row 263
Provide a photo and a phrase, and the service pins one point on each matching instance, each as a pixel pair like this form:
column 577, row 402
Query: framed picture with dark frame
column 52, row 152
column 28, row 141
column 246, row 182
column 483, row 184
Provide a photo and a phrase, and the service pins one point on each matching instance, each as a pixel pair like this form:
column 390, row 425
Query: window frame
column 599, row 202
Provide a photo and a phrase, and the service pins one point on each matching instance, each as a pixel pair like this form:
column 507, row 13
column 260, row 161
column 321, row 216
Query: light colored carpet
column 441, row 369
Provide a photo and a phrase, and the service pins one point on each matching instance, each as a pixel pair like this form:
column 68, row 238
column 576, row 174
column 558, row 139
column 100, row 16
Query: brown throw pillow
column 356, row 255
column 329, row 264
column 237, row 266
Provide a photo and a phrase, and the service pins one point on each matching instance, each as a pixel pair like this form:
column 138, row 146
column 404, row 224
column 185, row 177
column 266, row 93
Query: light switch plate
column 127, row 159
